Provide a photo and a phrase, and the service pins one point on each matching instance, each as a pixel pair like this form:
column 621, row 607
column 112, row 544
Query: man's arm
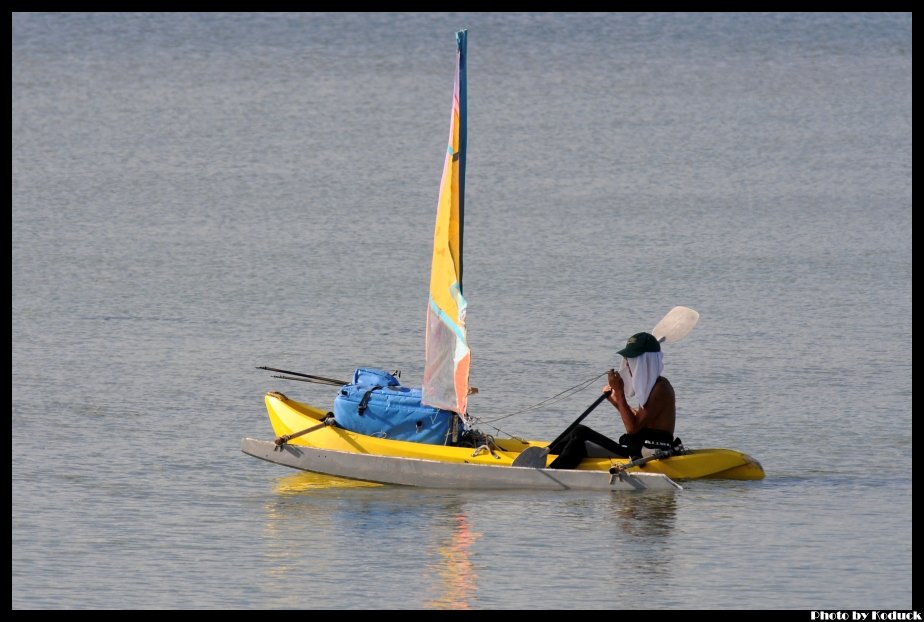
column 631, row 419
column 657, row 413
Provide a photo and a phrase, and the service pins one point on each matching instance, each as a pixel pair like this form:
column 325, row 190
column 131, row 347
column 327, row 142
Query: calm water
column 196, row 195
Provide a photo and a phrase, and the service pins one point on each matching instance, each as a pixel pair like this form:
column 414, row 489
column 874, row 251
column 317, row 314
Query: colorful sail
column 445, row 381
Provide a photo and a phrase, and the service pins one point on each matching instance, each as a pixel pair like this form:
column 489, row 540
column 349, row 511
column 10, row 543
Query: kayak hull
column 288, row 416
column 456, row 475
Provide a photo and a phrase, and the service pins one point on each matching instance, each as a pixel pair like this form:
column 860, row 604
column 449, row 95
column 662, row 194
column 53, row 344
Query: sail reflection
column 346, row 533
column 458, row 579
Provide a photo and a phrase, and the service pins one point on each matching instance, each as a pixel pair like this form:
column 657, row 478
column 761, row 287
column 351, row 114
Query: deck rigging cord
column 573, row 390
column 546, row 402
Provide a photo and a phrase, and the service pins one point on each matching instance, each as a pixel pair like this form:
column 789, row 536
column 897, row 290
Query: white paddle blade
column 676, row 325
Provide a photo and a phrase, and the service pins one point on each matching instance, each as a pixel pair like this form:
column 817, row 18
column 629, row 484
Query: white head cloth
column 646, row 367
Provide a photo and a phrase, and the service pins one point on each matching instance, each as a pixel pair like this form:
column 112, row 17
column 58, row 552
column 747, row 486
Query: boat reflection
column 647, row 515
column 343, row 530
column 458, row 579
column 304, row 481
column 646, row 525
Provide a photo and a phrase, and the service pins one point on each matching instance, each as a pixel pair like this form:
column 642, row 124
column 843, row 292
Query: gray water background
column 195, row 195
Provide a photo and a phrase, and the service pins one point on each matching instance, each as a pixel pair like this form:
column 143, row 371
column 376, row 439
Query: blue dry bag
column 377, row 405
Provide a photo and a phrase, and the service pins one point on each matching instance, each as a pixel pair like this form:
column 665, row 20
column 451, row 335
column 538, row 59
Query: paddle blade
column 532, row 457
column 676, row 325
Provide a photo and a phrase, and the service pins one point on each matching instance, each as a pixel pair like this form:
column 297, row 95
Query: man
column 650, row 426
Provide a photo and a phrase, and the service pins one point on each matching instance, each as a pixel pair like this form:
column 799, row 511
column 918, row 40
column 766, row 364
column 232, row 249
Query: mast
column 462, row 51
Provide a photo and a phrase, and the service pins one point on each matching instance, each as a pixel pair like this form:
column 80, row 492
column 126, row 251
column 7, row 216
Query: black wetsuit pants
column 571, row 449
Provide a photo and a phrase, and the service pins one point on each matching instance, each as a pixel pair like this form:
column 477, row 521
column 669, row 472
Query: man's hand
column 615, row 381
column 617, row 388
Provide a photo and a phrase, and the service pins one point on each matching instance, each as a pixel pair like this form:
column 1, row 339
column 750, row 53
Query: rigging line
column 557, row 397
column 551, row 400
column 515, row 437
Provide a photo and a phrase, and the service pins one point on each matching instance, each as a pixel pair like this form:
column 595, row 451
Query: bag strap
column 364, row 403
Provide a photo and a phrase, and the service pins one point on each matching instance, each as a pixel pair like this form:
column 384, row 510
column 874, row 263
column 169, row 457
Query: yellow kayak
column 288, row 416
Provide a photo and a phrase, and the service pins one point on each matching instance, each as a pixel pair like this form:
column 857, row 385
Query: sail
column 445, row 381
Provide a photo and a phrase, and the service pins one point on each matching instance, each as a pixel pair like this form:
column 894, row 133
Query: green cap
column 639, row 343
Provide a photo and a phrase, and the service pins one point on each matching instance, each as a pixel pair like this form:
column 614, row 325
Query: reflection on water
column 646, row 515
column 403, row 547
column 304, row 481
column 295, row 526
column 458, row 579
column 646, row 524
column 318, row 527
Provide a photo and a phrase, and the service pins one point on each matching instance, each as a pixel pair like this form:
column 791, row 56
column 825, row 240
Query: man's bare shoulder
column 663, row 385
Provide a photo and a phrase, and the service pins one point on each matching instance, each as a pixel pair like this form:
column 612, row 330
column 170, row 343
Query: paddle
column 673, row 327
column 581, row 418
column 534, row 457
column 285, row 438
column 676, row 325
